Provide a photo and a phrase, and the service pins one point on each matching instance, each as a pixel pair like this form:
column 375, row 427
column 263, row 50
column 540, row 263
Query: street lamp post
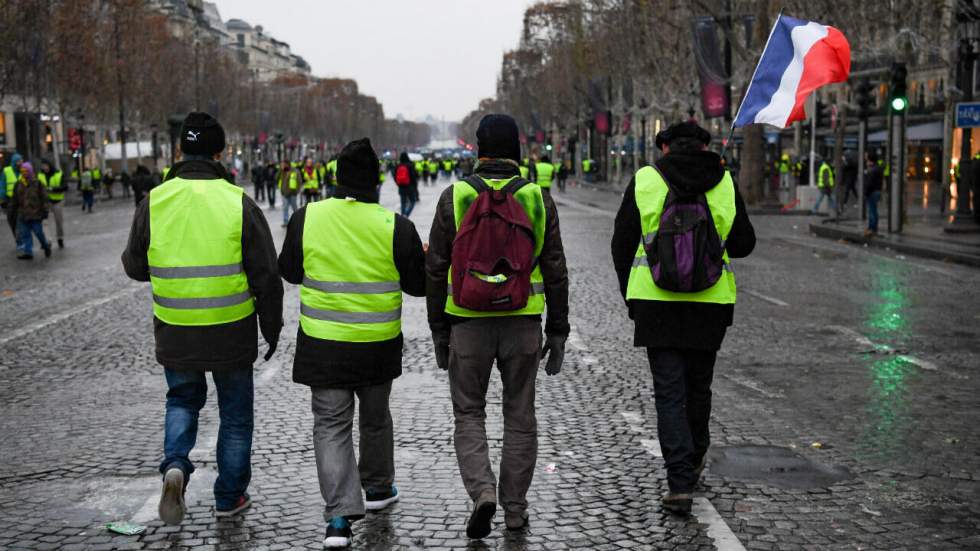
column 963, row 221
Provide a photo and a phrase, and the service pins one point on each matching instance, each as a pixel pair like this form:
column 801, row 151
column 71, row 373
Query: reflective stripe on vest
column 651, row 192
column 351, row 291
column 54, row 183
column 11, row 179
column 826, row 176
column 195, row 253
column 531, row 199
column 545, row 172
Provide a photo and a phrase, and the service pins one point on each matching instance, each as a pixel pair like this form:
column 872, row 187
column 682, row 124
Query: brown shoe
column 516, row 521
column 679, row 504
column 478, row 527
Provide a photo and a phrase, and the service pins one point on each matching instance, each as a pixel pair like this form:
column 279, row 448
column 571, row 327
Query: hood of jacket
column 14, row 159
column 691, row 172
column 199, row 170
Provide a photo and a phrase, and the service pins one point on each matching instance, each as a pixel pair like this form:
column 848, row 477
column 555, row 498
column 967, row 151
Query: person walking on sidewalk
column 86, row 184
column 873, row 176
column 825, row 183
column 30, row 208
column 681, row 314
column 353, row 260
column 499, row 322
column 211, row 263
column 289, row 186
column 10, row 175
column 53, row 182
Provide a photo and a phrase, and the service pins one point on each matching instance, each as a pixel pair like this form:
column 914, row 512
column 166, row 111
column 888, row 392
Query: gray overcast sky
column 418, row 57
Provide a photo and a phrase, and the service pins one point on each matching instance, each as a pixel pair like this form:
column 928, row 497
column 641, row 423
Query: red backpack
column 402, row 177
column 493, row 253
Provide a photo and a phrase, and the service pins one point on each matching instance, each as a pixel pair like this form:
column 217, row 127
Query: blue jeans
column 408, row 202
column 187, row 393
column 830, row 199
column 873, row 199
column 288, row 202
column 25, row 241
column 88, row 199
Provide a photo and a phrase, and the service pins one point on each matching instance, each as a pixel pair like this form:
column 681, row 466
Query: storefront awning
column 928, row 132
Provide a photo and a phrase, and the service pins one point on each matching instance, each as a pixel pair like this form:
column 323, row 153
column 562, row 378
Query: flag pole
column 731, row 132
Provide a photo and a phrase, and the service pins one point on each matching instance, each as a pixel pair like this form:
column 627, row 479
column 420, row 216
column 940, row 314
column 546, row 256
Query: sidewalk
column 921, row 236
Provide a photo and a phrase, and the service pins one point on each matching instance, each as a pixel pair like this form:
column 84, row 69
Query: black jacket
column 336, row 364
column 679, row 324
column 229, row 345
column 437, row 260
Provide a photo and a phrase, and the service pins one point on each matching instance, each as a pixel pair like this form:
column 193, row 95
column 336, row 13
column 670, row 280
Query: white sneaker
column 172, row 506
column 377, row 501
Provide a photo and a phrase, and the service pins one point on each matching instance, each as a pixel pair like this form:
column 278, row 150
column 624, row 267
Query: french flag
column 800, row 57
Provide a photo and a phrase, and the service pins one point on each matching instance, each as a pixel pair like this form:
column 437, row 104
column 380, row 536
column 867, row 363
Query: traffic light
column 898, row 99
column 864, row 100
column 821, row 114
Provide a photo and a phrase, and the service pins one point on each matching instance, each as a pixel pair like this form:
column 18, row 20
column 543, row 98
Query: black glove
column 555, row 344
column 440, row 343
column 271, row 336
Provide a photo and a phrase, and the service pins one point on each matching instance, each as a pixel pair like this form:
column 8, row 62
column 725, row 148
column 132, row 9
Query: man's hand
column 554, row 348
column 272, row 339
column 440, row 343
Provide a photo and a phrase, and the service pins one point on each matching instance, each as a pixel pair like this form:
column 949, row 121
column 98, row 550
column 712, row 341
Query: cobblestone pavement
column 856, row 367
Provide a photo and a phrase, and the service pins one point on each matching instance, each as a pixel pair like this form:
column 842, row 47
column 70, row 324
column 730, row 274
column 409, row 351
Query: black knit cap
column 357, row 165
column 686, row 129
column 201, row 134
column 498, row 138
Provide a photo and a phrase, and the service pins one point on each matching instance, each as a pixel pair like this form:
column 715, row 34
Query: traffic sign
column 968, row 115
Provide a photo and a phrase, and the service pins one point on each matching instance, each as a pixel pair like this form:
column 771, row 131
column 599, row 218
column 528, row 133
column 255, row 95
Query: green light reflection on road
column 887, row 410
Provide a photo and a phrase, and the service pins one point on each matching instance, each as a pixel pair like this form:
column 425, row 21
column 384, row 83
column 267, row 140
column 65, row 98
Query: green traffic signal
column 899, row 103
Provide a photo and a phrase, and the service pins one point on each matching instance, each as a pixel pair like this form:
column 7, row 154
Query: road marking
column 718, row 529
column 148, row 512
column 633, row 420
column 652, row 445
column 67, row 314
column 269, row 372
column 885, row 349
column 575, row 340
column 748, row 383
column 858, row 337
column 768, row 299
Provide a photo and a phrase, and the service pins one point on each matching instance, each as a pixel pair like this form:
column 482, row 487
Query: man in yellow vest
column 544, row 173
column 311, row 182
column 353, row 260
column 825, row 183
column 290, row 183
column 53, row 181
column 10, row 175
column 467, row 342
column 211, row 263
column 682, row 330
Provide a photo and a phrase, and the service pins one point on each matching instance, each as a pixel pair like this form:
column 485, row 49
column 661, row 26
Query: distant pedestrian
column 825, row 183
column 873, row 179
column 142, row 184
column 54, row 182
column 10, row 175
column 126, row 182
column 30, row 208
column 208, row 294
column 562, row 175
column 258, row 182
column 849, row 178
column 354, row 259
column 108, row 180
column 271, row 183
column 477, row 321
column 289, row 188
column 681, row 312
column 407, row 181
column 87, row 186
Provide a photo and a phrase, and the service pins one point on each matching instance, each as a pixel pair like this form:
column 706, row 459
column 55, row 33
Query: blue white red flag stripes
column 799, row 57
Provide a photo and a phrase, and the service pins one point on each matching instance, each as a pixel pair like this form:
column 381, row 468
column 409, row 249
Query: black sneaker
column 375, row 501
column 61, row 243
column 679, row 504
column 172, row 508
column 47, row 251
column 339, row 533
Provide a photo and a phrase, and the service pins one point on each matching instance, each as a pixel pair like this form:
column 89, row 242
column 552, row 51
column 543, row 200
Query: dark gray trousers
column 515, row 344
column 341, row 476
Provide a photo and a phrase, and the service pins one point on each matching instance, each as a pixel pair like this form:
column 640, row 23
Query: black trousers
column 682, row 390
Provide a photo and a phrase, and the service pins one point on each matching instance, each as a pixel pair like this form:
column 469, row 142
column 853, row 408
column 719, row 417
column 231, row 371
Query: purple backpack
column 685, row 255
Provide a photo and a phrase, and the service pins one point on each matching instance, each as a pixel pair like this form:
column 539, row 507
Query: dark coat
column 661, row 324
column 438, row 259
column 228, row 345
column 335, row 364
column 30, row 200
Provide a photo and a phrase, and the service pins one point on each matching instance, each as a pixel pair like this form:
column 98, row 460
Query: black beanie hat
column 201, row 134
column 357, row 165
column 687, row 129
column 498, row 138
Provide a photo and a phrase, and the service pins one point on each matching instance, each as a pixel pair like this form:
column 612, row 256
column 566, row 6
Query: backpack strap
column 477, row 183
column 480, row 186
